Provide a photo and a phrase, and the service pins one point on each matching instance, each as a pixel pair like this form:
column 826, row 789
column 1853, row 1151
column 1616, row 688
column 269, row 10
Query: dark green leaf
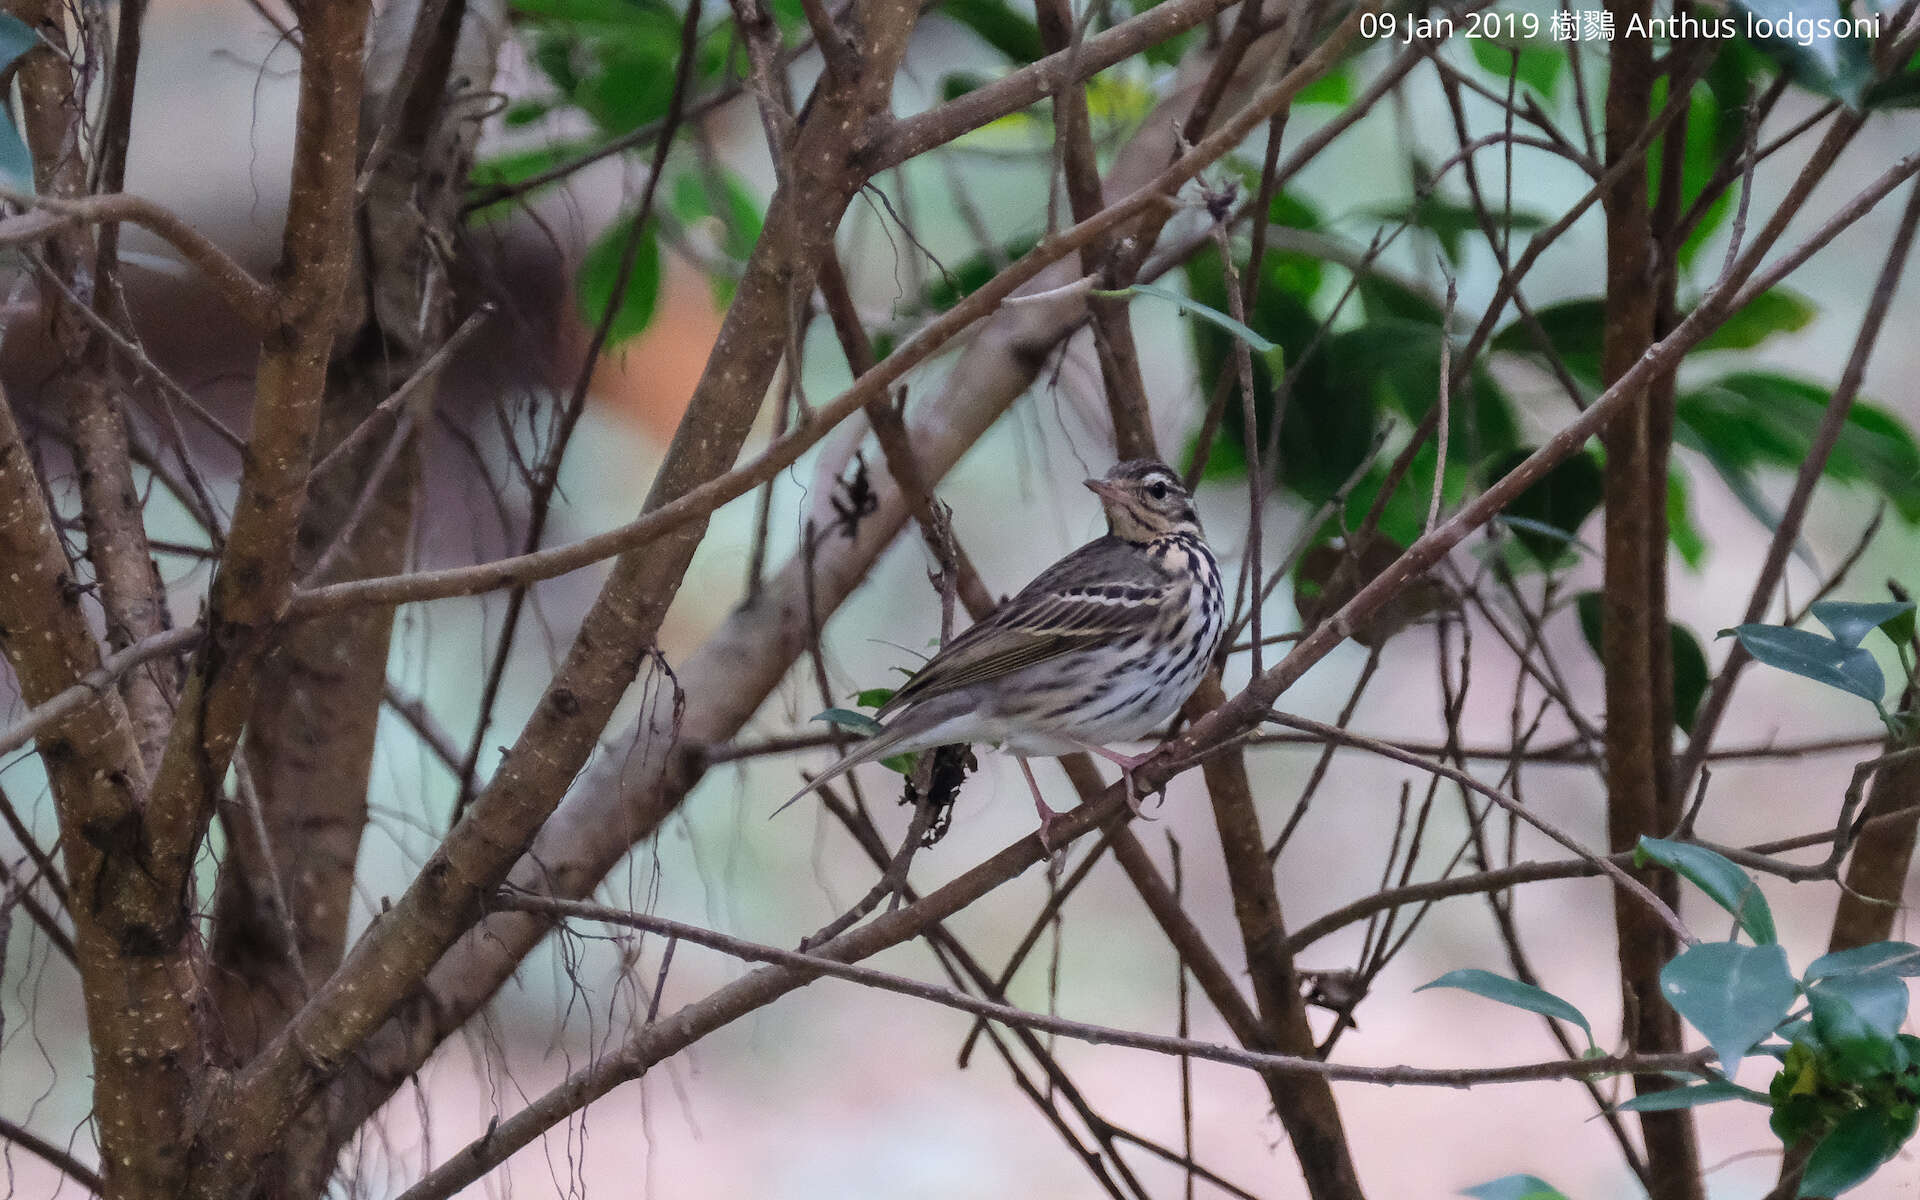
column 1716, row 131
column 846, row 718
column 1573, row 327
column 873, row 697
column 1769, row 313
column 965, row 277
column 1894, row 958
column 1850, row 622
column 1690, row 674
column 1811, row 656
column 1898, row 91
column 1388, row 299
column 1733, row 994
column 1450, row 223
column 1512, row 992
column 16, row 38
column 1839, row 67
column 1537, row 66
column 522, row 113
column 1858, row 1008
column 999, row 26
column 1752, row 418
column 956, row 84
column 719, row 197
column 1860, row 1142
column 1515, row 1187
column 1723, row 882
column 1681, row 531
column 600, row 273
column 516, row 167
column 1711, row 1092
column 16, row 161
column 1561, row 500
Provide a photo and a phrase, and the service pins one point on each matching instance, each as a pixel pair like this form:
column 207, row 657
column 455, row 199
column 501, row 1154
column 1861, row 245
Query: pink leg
column 1126, row 763
column 1047, row 816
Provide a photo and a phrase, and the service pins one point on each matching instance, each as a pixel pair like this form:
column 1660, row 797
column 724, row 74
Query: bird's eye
column 1158, row 491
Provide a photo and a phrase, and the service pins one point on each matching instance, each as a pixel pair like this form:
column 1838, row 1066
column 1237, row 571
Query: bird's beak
column 1103, row 489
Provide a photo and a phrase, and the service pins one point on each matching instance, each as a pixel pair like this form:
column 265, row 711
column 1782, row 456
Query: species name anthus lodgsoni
column 1103, row 646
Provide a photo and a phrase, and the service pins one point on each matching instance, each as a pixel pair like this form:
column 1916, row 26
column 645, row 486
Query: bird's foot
column 1127, row 763
column 1135, row 802
column 1049, row 824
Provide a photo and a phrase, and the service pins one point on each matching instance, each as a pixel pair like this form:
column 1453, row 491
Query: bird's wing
column 1091, row 596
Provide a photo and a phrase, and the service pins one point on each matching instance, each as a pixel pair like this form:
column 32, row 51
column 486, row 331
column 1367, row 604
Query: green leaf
column 1335, row 88
column 846, row 718
column 16, row 161
column 1690, row 674
column 1858, row 1008
column 1723, row 882
column 1512, row 992
column 1451, row 223
column 1839, row 67
column 1537, row 66
column 516, row 167
column 1896, row 91
column 1850, row 622
column 1716, row 131
column 718, row 200
column 1811, row 656
column 1515, row 1187
column 1860, row 1143
column 1205, row 312
column 1895, row 958
column 1575, row 328
column 522, row 113
column 873, row 697
column 1754, row 418
column 1682, row 533
column 1769, row 313
column 955, row 84
column 1561, row 500
column 16, row 38
column 1733, row 994
column 1711, row 1092
column 612, row 59
column 600, row 273
column 999, row 26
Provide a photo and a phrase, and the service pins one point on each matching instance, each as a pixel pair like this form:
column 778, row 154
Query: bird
column 1103, row 646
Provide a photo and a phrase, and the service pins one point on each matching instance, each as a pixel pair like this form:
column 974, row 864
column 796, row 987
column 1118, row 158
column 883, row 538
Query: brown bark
column 86, row 388
column 139, row 968
column 445, row 900
column 255, row 577
column 139, row 982
column 1635, row 645
column 1112, row 321
column 624, row 796
column 1306, row 1107
column 1883, row 855
column 309, row 749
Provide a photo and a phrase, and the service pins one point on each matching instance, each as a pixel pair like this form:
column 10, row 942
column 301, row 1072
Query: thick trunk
column 1636, row 649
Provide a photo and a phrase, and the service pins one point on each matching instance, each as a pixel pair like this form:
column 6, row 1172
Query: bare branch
column 246, row 297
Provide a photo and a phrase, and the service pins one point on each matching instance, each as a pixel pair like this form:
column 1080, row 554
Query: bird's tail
column 877, row 746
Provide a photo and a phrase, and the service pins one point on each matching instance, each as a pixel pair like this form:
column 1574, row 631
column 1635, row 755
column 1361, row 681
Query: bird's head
column 1145, row 500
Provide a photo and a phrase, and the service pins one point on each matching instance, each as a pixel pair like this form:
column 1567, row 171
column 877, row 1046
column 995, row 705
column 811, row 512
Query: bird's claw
column 1045, row 834
column 1135, row 800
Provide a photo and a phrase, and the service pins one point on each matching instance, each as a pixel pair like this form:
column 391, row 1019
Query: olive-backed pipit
column 1103, row 646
